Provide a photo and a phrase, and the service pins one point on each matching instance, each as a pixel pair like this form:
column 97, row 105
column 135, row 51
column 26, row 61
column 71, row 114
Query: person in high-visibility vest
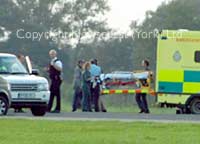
column 141, row 97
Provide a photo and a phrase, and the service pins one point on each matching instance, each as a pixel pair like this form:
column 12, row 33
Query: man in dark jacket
column 77, row 85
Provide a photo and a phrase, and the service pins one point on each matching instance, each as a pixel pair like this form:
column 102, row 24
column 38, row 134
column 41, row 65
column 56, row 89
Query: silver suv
column 20, row 88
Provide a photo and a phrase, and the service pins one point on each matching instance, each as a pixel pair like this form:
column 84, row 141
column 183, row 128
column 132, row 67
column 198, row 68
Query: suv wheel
column 3, row 106
column 195, row 106
column 39, row 111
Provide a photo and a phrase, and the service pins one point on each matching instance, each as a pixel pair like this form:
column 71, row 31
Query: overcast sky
column 124, row 11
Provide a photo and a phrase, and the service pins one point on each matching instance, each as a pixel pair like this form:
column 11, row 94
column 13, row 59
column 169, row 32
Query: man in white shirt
column 55, row 72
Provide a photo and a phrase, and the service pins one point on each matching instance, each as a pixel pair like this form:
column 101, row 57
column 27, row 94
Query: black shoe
column 73, row 110
column 142, row 111
column 147, row 112
column 55, row 111
column 104, row 110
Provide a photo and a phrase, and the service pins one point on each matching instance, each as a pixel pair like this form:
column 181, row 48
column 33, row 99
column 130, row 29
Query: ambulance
column 177, row 76
column 178, row 70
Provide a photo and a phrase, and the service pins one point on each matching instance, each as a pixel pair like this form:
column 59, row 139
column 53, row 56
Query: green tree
column 174, row 15
column 78, row 17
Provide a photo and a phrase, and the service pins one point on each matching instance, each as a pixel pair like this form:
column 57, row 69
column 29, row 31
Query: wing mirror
column 35, row 72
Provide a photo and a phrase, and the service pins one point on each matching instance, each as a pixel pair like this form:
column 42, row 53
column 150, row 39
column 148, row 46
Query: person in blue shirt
column 95, row 71
column 95, row 87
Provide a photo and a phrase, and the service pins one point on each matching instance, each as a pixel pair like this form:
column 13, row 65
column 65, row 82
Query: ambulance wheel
column 3, row 106
column 195, row 106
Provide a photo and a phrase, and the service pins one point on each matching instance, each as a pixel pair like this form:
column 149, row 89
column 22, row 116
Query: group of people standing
column 87, row 87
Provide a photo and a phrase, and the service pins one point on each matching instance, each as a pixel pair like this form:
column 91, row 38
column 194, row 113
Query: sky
column 124, row 11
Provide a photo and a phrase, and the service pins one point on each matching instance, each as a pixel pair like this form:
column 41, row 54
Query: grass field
column 77, row 132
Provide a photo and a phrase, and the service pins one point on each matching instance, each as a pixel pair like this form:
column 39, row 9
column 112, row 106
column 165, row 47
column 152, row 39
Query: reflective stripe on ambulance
column 127, row 91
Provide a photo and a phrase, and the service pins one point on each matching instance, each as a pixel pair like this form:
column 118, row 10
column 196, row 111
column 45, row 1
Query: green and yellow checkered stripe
column 178, row 81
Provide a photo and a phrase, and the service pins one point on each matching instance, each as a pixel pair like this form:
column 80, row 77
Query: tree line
column 78, row 30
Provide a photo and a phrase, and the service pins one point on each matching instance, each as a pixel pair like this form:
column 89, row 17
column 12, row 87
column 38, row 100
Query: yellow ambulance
column 178, row 69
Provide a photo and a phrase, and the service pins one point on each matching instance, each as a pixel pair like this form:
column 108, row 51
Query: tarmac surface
column 124, row 117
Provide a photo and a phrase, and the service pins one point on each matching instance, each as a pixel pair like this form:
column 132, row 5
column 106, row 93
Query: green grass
column 76, row 132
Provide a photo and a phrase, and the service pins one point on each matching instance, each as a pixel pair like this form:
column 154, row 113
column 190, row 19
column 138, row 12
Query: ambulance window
column 197, row 56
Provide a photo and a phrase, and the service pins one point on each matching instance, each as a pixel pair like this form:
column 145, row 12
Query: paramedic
column 141, row 97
